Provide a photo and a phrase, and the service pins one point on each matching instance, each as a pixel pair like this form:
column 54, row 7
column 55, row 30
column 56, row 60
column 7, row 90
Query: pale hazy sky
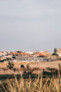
column 30, row 25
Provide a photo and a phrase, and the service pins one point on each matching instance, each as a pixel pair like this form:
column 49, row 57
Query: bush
column 22, row 66
column 14, row 69
column 8, row 58
column 19, row 51
column 55, row 54
column 2, row 60
column 10, row 65
column 27, row 66
column 14, row 56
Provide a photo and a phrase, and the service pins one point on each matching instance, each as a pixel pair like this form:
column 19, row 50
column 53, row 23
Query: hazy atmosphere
column 30, row 25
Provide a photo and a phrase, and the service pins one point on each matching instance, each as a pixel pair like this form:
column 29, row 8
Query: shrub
column 2, row 60
column 8, row 58
column 19, row 51
column 22, row 66
column 14, row 69
column 10, row 65
column 14, row 56
column 55, row 54
column 27, row 66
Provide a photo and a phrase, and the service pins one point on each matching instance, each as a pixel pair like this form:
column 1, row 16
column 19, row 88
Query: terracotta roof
column 23, row 53
column 39, row 54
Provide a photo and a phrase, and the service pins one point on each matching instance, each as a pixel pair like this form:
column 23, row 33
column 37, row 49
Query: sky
column 29, row 25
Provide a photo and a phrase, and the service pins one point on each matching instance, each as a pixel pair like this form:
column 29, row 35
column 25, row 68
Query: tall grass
column 32, row 85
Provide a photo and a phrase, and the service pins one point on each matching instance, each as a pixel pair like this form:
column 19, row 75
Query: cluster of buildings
column 29, row 56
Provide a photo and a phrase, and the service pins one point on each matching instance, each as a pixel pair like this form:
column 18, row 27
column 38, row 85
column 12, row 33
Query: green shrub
column 22, row 66
column 19, row 51
column 8, row 58
column 55, row 54
column 2, row 60
column 14, row 56
column 10, row 65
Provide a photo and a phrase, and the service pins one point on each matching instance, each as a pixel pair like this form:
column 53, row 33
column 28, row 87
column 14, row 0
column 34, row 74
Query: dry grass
column 32, row 85
column 42, row 65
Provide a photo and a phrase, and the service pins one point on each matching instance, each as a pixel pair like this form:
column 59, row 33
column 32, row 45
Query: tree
column 10, row 65
column 22, row 66
column 19, row 51
column 55, row 50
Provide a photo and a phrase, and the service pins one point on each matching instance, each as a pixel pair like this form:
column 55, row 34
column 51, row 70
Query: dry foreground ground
column 41, row 65
column 27, row 85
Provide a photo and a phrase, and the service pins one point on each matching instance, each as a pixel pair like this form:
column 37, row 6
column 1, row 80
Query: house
column 38, row 54
column 30, row 52
column 2, row 53
column 59, row 52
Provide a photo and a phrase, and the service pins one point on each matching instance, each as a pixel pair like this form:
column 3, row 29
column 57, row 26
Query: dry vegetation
column 32, row 85
column 39, row 84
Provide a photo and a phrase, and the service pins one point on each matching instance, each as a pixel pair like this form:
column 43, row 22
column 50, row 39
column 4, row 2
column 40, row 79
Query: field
column 41, row 65
column 34, row 64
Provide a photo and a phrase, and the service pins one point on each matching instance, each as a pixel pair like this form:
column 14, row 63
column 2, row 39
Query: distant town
column 40, row 65
column 18, row 62
column 33, row 56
